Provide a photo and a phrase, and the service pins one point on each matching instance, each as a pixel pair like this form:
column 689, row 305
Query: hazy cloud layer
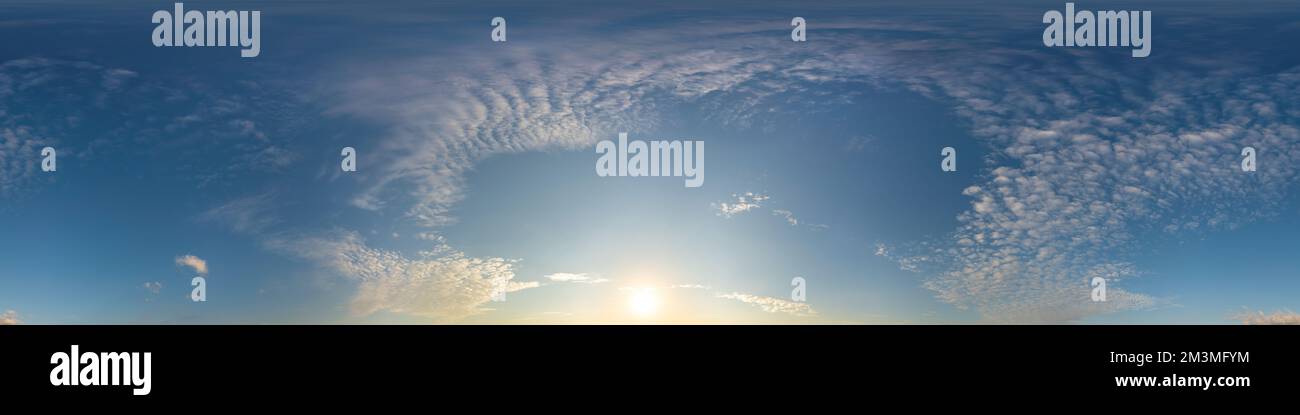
column 1280, row 317
column 30, row 91
column 9, row 318
column 772, row 305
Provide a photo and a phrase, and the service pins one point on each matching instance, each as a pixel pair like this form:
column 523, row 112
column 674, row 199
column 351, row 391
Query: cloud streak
column 575, row 278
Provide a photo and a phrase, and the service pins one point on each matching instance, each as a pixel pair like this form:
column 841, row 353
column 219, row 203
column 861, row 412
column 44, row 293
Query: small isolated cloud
column 743, row 203
column 198, row 264
column 9, row 318
column 772, row 305
column 1282, row 317
column 578, row 278
column 882, row 250
column 153, row 286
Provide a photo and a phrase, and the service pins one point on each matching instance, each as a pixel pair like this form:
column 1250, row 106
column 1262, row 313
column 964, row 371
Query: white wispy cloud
column 153, row 287
column 440, row 283
column 740, row 203
column 114, row 78
column 447, row 117
column 750, row 201
column 445, row 288
column 197, row 264
column 25, row 128
column 118, row 99
column 788, row 215
column 18, row 164
column 576, row 278
column 246, row 215
column 772, row 305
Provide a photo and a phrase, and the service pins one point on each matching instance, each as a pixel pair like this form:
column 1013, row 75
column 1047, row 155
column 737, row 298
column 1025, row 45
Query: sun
column 644, row 302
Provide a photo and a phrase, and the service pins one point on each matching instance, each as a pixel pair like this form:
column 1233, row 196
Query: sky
column 476, row 200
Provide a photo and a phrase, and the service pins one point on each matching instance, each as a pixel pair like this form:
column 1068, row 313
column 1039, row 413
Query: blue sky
column 476, row 165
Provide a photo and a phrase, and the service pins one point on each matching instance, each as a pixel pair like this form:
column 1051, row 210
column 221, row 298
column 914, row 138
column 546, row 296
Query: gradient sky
column 476, row 162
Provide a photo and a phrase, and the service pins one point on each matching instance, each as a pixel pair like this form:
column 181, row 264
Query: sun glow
column 644, row 302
